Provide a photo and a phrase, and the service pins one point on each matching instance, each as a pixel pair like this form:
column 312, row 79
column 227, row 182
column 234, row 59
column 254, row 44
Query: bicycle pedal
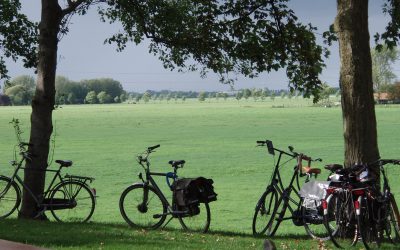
column 157, row 216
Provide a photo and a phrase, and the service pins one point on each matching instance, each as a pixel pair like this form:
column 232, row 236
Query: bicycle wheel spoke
column 72, row 201
column 199, row 222
column 140, row 214
column 10, row 197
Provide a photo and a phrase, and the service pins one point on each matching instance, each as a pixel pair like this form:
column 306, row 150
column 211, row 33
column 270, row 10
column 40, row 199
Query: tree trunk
column 360, row 135
column 42, row 107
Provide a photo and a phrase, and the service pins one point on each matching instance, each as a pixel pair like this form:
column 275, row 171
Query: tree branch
column 72, row 6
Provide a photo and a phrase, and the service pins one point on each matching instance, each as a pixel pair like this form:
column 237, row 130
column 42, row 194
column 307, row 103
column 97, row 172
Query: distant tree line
column 20, row 90
column 256, row 94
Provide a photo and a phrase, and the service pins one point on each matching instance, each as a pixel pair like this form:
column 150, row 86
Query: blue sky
column 82, row 54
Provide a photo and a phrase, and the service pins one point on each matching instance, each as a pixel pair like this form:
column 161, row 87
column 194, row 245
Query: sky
column 83, row 55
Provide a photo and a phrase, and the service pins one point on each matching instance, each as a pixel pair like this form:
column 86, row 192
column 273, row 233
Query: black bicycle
column 277, row 199
column 71, row 199
column 359, row 210
column 144, row 204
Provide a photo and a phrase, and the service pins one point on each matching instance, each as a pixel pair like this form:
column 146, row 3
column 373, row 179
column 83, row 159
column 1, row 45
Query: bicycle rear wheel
column 10, row 197
column 339, row 219
column 142, row 206
column 199, row 222
column 72, row 201
column 366, row 224
column 266, row 211
column 314, row 221
column 393, row 223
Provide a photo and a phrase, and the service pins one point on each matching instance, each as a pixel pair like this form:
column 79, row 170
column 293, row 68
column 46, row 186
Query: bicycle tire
column 76, row 197
column 315, row 228
column 199, row 222
column 393, row 229
column 131, row 206
column 366, row 224
column 266, row 210
column 339, row 218
column 10, row 198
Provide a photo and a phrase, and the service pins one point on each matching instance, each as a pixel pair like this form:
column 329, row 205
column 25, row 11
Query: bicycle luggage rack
column 77, row 177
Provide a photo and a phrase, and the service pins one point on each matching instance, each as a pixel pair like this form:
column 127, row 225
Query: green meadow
column 217, row 140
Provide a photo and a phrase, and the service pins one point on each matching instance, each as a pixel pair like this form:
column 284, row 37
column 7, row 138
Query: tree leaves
column 226, row 37
column 18, row 36
column 391, row 36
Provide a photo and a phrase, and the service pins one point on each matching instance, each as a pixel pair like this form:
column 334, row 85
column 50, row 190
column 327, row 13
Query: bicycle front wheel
column 72, row 201
column 266, row 211
column 142, row 206
column 199, row 222
column 10, row 197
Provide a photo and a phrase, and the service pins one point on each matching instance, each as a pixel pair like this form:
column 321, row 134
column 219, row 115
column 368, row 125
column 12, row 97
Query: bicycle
column 367, row 211
column 271, row 207
column 69, row 200
column 144, row 205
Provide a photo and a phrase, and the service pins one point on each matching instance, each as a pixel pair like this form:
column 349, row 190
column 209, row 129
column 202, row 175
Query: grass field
column 217, row 140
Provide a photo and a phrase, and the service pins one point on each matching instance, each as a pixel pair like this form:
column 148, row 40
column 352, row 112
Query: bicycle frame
column 285, row 193
column 149, row 181
column 16, row 179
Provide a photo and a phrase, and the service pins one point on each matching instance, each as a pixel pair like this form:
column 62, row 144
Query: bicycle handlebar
column 143, row 156
column 293, row 154
column 153, row 147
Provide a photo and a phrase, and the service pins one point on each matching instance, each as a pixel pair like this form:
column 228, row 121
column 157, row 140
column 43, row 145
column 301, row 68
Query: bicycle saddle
column 309, row 170
column 333, row 167
column 64, row 163
column 176, row 163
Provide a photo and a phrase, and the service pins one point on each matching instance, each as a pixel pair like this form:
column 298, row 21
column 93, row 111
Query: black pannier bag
column 190, row 192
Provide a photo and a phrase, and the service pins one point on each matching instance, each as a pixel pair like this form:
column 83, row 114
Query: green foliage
column 103, row 97
column 146, row 97
column 273, row 95
column 246, row 93
column 110, row 86
column 138, row 97
column 122, row 97
column 394, row 91
column 239, row 95
column 20, row 89
column 392, row 33
column 382, row 70
column 24, row 80
column 65, row 88
column 79, row 90
column 202, row 96
column 245, row 37
column 18, row 36
column 91, row 97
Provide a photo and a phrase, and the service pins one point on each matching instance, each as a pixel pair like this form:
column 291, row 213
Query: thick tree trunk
column 42, row 106
column 359, row 120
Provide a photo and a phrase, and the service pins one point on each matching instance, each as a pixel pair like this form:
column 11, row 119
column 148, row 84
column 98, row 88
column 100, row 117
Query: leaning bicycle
column 144, row 205
column 361, row 211
column 68, row 198
column 277, row 199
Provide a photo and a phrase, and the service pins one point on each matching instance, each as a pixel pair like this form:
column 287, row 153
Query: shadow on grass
column 96, row 235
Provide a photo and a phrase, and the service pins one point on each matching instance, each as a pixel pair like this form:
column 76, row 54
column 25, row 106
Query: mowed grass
column 217, row 140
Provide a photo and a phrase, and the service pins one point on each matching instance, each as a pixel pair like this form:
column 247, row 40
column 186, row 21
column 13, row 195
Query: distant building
column 381, row 98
